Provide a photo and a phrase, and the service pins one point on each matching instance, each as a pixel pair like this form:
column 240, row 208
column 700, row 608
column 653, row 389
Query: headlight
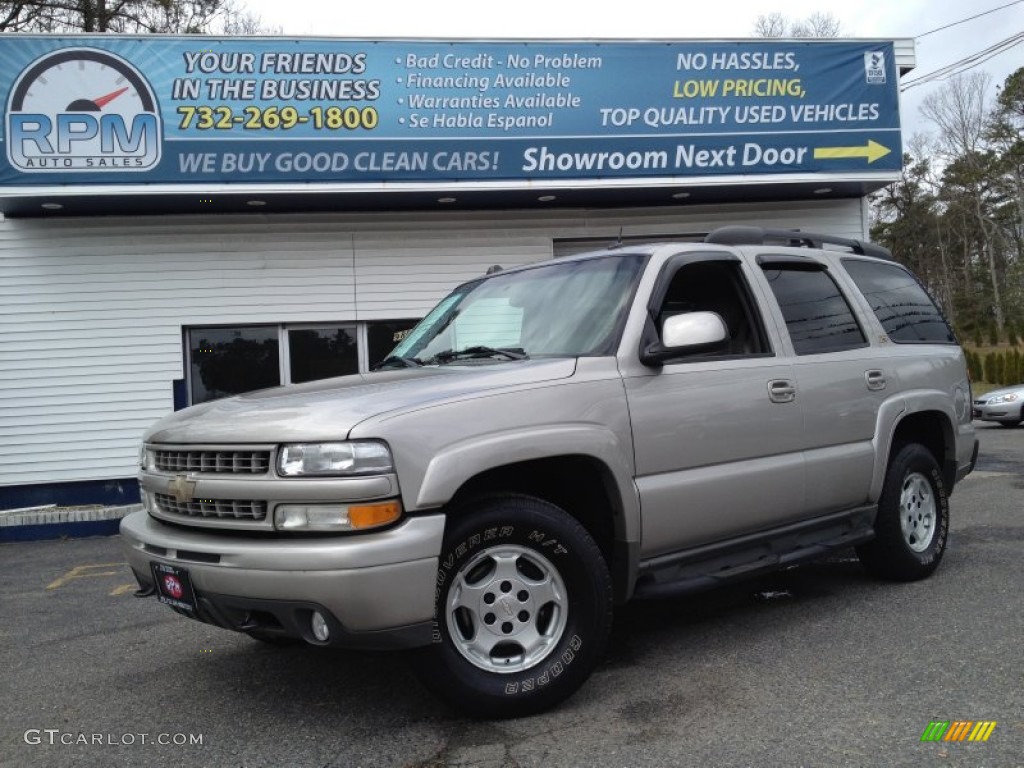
column 336, row 517
column 1003, row 399
column 355, row 457
column 145, row 457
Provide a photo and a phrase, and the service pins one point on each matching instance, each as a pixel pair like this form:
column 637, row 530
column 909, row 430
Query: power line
column 966, row 63
column 969, row 18
column 970, row 58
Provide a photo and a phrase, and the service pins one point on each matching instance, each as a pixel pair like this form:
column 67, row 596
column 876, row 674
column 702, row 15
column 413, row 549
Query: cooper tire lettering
column 515, row 631
column 912, row 523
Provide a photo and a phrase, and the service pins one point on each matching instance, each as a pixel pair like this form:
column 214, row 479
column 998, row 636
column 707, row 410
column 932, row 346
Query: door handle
column 875, row 380
column 781, row 391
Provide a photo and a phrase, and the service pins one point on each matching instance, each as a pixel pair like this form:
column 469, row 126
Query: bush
column 977, row 335
column 974, row 365
column 993, row 334
column 1011, row 333
column 1016, row 373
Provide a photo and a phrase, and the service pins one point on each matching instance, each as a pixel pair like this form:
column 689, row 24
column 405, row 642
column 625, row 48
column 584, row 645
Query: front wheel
column 523, row 608
column 913, row 518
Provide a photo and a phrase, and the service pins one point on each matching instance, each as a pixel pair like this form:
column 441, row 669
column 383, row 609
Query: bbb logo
column 82, row 110
column 874, row 67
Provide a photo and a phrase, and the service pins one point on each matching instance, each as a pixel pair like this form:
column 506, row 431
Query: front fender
column 449, row 469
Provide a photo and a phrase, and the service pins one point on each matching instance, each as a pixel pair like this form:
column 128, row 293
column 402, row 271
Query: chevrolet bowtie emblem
column 182, row 488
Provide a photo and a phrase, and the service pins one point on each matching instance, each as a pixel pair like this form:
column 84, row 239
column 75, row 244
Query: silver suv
column 554, row 440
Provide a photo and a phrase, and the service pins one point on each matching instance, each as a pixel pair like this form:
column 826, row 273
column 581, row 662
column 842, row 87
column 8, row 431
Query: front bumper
column 376, row 589
column 998, row 412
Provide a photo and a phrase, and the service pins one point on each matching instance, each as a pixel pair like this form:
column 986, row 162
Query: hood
column 1016, row 389
column 329, row 408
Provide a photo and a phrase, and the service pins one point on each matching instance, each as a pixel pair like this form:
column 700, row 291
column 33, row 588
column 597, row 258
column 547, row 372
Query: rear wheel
column 523, row 608
column 913, row 518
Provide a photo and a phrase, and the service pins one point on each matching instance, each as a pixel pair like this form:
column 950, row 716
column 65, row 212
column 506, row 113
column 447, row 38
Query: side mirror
column 684, row 334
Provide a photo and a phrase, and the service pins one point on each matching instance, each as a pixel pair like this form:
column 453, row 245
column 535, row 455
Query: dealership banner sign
column 166, row 110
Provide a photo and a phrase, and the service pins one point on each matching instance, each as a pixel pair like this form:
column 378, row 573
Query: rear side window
column 905, row 310
column 818, row 317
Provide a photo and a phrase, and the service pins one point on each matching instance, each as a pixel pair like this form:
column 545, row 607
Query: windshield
column 563, row 309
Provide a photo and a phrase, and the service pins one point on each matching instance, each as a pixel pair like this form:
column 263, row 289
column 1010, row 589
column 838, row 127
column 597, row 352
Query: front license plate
column 173, row 586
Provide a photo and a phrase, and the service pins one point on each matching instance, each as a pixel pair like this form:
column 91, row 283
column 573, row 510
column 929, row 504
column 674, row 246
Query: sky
column 683, row 20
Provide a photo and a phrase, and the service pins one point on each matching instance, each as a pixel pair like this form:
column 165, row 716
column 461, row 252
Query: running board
column 714, row 565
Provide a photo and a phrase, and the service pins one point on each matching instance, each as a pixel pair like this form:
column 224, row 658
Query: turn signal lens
column 374, row 515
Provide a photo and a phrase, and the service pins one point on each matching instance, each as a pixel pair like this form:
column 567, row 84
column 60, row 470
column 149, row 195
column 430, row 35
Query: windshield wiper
column 396, row 361
column 479, row 351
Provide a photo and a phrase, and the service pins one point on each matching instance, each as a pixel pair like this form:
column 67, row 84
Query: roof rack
column 742, row 235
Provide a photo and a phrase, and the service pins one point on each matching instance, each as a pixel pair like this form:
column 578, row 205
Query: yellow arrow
column 872, row 151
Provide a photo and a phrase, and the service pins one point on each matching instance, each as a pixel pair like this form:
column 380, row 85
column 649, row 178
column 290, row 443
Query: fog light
column 320, row 629
column 311, row 517
column 336, row 517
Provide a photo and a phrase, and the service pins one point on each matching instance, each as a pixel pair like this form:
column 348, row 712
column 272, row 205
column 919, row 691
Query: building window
column 382, row 336
column 319, row 353
column 229, row 361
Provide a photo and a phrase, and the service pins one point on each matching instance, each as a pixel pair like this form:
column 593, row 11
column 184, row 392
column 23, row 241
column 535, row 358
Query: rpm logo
column 82, row 110
column 173, row 587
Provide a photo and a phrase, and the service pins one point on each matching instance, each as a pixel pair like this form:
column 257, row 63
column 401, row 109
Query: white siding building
column 124, row 296
column 95, row 312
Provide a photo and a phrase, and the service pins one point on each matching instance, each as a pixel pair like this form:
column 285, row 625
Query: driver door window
column 719, row 287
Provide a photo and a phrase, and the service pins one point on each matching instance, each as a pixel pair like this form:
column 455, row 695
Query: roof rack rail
column 743, row 235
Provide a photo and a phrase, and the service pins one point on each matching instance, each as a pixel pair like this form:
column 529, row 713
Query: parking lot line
column 85, row 572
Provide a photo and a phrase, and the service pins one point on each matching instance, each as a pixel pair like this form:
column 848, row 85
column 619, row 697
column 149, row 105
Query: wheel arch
column 931, row 427
column 585, row 485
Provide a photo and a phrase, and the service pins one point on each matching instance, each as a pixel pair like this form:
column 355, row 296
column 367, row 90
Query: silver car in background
column 1005, row 406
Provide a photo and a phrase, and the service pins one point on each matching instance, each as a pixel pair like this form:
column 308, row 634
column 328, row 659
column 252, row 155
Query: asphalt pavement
column 815, row 666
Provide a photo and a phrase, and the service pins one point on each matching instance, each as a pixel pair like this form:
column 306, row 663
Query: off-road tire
column 523, row 608
column 913, row 518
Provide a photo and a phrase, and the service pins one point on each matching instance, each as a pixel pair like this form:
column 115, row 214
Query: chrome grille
column 219, row 508
column 225, row 462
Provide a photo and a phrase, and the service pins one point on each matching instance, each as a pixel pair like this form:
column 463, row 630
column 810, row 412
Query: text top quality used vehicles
column 553, row 440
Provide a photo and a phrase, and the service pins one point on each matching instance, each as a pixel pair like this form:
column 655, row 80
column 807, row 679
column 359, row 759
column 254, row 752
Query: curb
column 42, row 523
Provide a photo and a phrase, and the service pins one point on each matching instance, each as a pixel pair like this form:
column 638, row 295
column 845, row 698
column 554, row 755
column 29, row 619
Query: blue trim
column 59, row 530
column 179, row 393
column 109, row 493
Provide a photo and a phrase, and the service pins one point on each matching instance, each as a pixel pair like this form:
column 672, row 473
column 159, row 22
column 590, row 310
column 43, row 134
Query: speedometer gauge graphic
column 81, row 109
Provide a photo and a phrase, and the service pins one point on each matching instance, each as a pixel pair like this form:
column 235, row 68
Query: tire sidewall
column 547, row 530
column 915, row 458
